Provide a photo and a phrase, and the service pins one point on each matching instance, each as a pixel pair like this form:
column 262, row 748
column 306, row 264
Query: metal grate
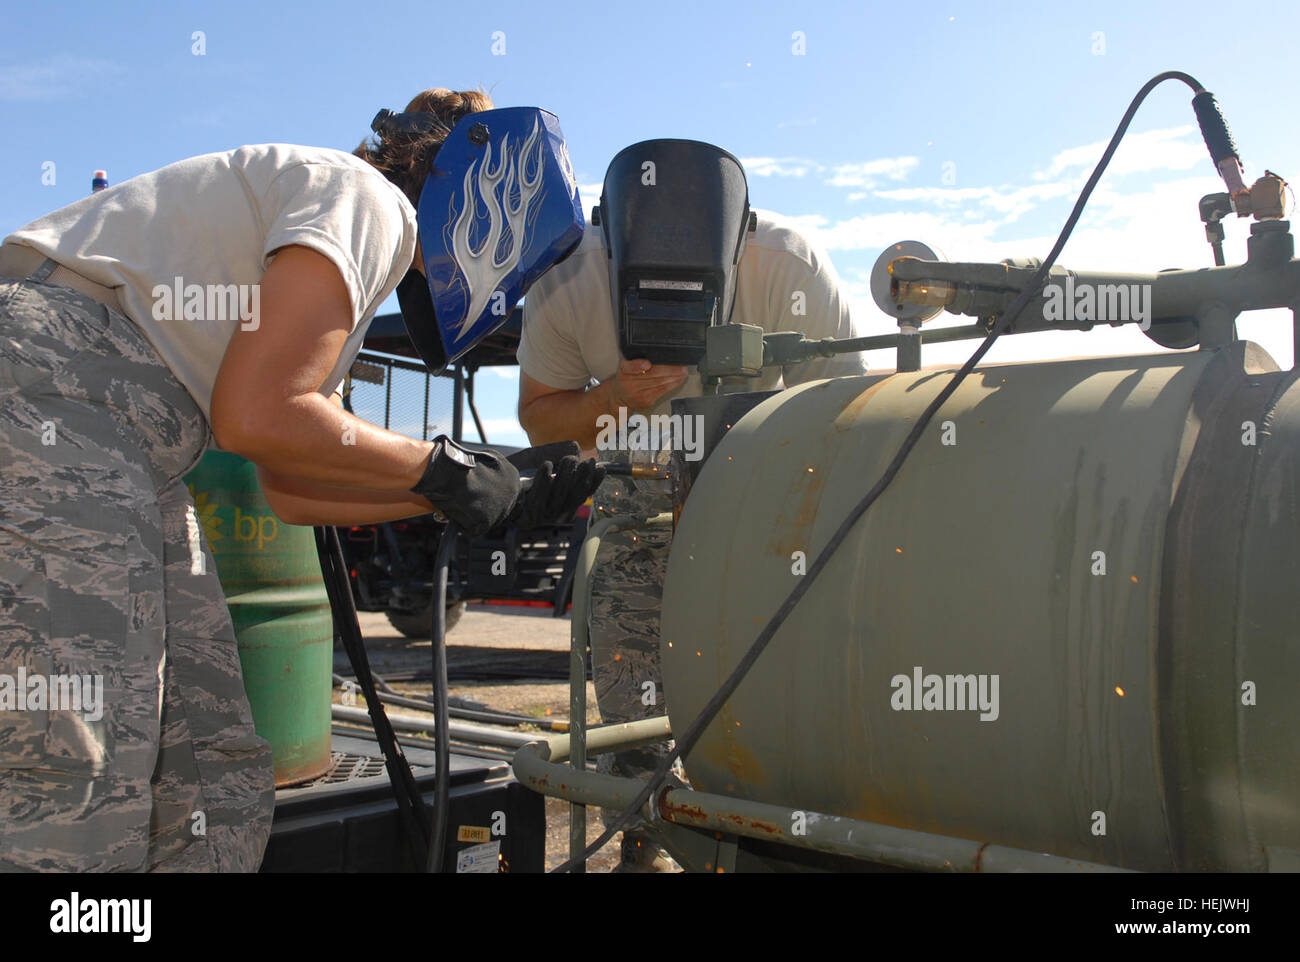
column 345, row 767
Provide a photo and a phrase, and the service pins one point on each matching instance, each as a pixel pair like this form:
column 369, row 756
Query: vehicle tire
column 417, row 624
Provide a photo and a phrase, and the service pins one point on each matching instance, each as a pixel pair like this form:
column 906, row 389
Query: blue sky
column 967, row 125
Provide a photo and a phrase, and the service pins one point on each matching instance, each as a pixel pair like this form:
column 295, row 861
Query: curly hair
column 404, row 158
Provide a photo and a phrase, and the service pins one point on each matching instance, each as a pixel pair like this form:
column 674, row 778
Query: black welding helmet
column 499, row 208
column 674, row 215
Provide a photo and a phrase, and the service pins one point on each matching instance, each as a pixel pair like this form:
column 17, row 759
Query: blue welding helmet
column 499, row 208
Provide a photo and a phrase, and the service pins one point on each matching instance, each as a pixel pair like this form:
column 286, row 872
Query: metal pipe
column 872, row 842
column 929, row 335
column 539, row 765
column 458, row 405
column 480, row 734
column 388, row 394
column 411, row 741
column 579, row 638
column 473, row 410
column 488, row 715
column 603, row 739
column 424, row 424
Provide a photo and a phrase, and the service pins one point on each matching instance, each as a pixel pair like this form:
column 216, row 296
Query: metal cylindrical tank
column 1103, row 555
column 271, row 578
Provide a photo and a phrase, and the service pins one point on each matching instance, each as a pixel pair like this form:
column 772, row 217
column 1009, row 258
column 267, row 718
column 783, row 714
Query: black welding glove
column 476, row 489
column 562, row 483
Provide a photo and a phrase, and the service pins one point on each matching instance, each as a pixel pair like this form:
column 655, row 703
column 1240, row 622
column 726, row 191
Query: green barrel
column 271, row 577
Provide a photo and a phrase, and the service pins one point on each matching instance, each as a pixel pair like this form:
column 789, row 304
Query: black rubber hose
column 692, row 734
column 410, row 803
column 487, row 716
column 442, row 735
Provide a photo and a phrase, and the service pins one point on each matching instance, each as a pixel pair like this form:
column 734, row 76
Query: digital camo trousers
column 105, row 579
column 627, row 593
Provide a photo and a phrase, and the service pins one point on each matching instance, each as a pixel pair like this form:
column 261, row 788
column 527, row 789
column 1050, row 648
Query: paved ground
column 494, row 637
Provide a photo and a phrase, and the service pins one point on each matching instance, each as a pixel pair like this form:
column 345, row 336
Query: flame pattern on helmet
column 483, row 267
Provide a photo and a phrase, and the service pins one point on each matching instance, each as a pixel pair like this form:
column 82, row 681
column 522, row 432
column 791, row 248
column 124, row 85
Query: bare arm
column 296, row 501
column 317, row 463
column 266, row 406
column 555, row 414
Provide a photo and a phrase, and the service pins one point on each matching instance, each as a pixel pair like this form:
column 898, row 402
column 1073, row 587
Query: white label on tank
column 479, row 859
column 672, row 285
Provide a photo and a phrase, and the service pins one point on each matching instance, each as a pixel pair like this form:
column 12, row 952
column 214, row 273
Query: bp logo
column 251, row 527
column 208, row 517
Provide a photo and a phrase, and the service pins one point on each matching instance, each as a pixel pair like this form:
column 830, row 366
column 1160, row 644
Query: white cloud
column 871, row 172
column 878, row 231
column 1139, row 231
column 1010, row 202
column 778, row 166
column 1171, row 148
column 863, row 174
column 60, row 77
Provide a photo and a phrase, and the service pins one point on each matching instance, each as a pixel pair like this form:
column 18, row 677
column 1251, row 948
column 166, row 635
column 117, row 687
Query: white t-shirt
column 570, row 336
column 213, row 221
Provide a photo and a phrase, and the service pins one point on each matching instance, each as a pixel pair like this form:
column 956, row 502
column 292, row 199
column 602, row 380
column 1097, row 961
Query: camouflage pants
column 627, row 593
column 104, row 577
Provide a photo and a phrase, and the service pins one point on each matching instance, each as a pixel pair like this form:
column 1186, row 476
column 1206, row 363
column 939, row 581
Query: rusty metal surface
column 718, row 413
column 880, row 844
column 978, row 560
column 540, row 766
column 305, row 772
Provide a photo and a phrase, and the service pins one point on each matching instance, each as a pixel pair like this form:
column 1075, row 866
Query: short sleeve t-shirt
column 783, row 284
column 186, row 245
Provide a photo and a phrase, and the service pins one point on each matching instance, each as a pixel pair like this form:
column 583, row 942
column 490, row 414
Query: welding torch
column 622, row 469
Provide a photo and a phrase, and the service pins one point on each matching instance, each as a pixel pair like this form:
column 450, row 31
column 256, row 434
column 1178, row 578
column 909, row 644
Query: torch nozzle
column 624, row 470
